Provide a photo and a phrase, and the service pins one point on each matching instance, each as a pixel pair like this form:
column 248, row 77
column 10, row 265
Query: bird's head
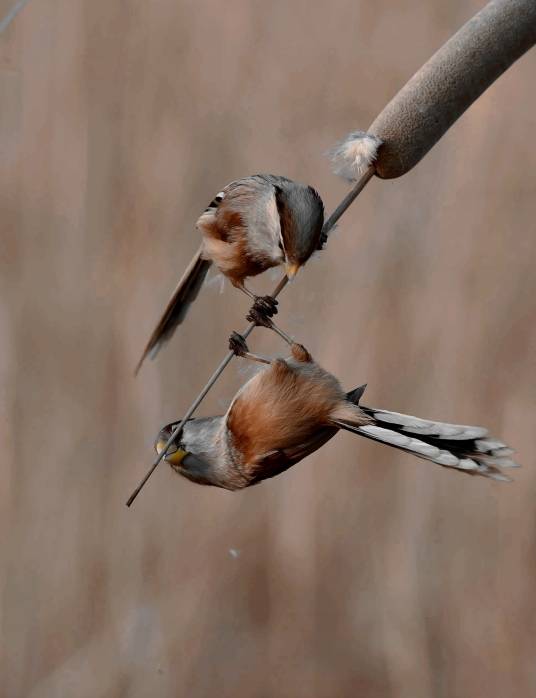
column 301, row 213
column 195, row 453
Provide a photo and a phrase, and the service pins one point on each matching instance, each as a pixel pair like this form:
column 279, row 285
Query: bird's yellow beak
column 174, row 455
column 291, row 270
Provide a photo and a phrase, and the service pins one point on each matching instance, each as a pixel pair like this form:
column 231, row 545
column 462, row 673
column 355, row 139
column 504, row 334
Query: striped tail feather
column 184, row 294
column 465, row 448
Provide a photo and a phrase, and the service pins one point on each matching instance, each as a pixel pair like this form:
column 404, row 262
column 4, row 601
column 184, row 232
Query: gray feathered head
column 198, row 453
column 301, row 212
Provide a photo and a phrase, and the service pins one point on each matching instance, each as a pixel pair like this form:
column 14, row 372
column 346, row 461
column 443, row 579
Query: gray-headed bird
column 291, row 408
column 253, row 224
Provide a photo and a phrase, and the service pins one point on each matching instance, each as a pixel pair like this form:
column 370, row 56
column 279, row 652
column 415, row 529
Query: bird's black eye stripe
column 216, row 201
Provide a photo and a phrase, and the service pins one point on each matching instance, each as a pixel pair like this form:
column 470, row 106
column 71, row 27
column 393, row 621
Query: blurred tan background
column 361, row 572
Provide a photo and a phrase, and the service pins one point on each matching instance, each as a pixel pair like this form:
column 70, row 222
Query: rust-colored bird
column 293, row 407
column 253, row 224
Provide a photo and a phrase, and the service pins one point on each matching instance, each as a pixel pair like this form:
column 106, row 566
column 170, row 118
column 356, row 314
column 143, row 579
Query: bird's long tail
column 183, row 295
column 465, row 448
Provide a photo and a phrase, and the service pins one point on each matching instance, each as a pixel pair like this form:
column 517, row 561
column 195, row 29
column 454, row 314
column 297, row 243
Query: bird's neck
column 209, row 440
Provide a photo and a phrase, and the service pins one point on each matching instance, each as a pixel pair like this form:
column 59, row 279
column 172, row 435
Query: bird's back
column 281, row 407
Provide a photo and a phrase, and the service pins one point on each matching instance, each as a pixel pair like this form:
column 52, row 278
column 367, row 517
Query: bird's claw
column 265, row 305
column 262, row 310
column 237, row 344
column 259, row 318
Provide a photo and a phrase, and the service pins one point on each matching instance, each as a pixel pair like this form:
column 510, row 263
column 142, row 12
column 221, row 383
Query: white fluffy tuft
column 352, row 156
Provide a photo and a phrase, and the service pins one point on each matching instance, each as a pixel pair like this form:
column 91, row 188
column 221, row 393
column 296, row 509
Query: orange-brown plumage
column 282, row 406
column 279, row 416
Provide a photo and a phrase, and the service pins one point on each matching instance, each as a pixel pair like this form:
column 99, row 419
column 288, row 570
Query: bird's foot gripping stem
column 259, row 317
column 238, row 345
column 265, row 305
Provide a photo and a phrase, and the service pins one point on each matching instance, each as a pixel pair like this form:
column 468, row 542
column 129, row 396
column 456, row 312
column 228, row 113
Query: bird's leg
column 237, row 344
column 261, row 320
column 263, row 304
column 298, row 351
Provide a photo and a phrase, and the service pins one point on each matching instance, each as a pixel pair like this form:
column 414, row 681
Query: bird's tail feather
column 184, row 294
column 469, row 449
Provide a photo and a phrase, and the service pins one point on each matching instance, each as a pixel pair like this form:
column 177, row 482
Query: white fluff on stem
column 352, row 156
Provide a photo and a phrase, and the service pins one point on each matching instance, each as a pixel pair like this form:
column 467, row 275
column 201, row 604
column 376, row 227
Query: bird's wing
column 277, row 461
column 183, row 295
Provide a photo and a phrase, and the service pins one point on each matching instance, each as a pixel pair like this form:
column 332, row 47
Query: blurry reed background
column 362, row 572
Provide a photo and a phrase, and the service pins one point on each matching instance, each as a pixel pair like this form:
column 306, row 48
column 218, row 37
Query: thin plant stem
column 10, row 16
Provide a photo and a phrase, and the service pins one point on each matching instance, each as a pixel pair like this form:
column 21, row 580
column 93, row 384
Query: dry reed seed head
column 352, row 156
